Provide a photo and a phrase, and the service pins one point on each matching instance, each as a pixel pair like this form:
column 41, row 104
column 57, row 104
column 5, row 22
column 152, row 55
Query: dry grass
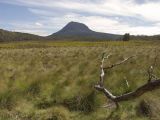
column 54, row 80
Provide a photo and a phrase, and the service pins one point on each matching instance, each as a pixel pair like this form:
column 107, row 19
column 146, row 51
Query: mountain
column 17, row 36
column 75, row 30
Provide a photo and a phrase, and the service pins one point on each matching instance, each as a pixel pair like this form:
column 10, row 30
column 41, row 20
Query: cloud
column 38, row 24
column 149, row 11
column 112, row 16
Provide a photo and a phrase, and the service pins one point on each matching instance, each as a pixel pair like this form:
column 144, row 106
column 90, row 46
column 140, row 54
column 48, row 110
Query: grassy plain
column 54, row 80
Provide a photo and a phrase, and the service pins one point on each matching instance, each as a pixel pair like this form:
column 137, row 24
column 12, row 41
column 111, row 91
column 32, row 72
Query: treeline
column 145, row 37
column 127, row 37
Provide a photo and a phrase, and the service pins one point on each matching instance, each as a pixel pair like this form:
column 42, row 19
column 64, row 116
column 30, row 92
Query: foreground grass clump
column 81, row 103
column 57, row 113
column 55, row 80
column 7, row 100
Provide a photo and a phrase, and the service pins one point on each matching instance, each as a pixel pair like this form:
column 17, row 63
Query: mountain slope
column 75, row 30
column 17, row 36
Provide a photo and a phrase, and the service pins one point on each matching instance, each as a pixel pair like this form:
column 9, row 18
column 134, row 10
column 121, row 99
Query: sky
column 44, row 17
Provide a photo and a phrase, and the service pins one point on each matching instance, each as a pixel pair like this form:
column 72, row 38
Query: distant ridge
column 17, row 36
column 72, row 31
column 75, row 30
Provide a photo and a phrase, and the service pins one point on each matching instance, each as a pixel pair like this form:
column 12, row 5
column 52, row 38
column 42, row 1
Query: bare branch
column 152, row 85
column 127, row 83
column 150, row 73
column 101, row 82
column 149, row 86
column 105, row 91
column 119, row 63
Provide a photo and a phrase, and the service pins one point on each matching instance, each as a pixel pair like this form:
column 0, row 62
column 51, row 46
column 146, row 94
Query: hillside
column 17, row 36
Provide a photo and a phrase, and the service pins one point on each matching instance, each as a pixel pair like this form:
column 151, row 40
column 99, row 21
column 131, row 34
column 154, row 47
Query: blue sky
column 44, row 17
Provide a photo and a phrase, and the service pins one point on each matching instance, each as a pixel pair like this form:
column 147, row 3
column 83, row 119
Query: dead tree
column 152, row 83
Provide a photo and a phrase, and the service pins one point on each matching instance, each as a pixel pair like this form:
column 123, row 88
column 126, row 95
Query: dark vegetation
column 126, row 37
column 17, row 36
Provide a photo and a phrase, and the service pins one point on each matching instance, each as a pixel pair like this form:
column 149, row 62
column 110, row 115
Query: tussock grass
column 54, row 80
